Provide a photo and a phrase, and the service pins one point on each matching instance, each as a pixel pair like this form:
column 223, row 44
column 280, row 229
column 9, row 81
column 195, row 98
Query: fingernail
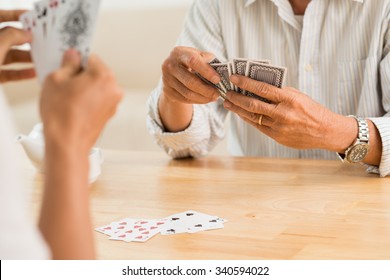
column 234, row 79
column 72, row 54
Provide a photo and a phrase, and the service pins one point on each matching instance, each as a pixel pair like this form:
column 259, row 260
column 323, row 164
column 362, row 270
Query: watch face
column 358, row 153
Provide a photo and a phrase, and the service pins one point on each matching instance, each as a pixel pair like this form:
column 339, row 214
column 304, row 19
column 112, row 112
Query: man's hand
column 75, row 104
column 10, row 37
column 292, row 119
column 182, row 87
column 180, row 82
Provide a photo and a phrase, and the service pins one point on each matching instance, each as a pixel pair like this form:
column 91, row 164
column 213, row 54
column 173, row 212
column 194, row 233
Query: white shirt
column 338, row 55
column 19, row 236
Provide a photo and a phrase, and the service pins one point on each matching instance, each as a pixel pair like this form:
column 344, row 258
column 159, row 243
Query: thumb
column 71, row 63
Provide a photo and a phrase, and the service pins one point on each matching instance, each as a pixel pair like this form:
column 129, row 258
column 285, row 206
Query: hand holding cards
column 138, row 230
column 259, row 70
column 59, row 25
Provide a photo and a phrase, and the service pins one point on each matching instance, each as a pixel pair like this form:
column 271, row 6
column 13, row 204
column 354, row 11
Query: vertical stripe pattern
column 339, row 57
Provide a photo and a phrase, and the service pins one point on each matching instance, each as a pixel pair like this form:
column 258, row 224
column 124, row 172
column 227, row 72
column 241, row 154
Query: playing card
column 239, row 67
column 74, row 26
column 139, row 231
column 220, row 86
column 214, row 60
column 58, row 25
column 29, row 21
column 191, row 222
column 42, row 12
column 269, row 74
column 115, row 227
column 225, row 71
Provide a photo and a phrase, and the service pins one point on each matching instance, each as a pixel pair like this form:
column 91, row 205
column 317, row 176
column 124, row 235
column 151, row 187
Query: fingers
column 10, row 15
column 250, row 116
column 10, row 37
column 183, row 94
column 17, row 56
column 196, row 61
column 96, row 66
column 71, row 64
column 16, row 75
column 264, row 90
column 192, row 82
column 250, row 104
column 98, row 70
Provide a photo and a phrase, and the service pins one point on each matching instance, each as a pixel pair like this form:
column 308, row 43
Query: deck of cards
column 139, row 230
column 59, row 25
column 259, row 70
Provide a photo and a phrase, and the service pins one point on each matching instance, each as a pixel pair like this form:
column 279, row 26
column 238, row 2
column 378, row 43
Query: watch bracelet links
column 363, row 134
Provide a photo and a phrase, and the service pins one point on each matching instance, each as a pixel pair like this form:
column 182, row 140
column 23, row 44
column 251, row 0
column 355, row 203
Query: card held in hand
column 60, row 26
column 272, row 75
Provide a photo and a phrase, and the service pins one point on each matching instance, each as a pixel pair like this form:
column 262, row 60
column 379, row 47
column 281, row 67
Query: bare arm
column 74, row 107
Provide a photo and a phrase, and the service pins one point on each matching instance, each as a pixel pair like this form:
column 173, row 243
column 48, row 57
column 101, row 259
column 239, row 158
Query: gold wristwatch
column 360, row 148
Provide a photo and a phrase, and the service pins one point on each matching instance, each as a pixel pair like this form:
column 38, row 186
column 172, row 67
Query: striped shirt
column 338, row 55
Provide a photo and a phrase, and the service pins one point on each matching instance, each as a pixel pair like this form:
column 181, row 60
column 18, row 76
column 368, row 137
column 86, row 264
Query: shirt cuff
column 383, row 126
column 191, row 142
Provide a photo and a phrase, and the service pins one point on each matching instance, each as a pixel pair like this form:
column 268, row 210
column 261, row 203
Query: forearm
column 175, row 116
column 64, row 220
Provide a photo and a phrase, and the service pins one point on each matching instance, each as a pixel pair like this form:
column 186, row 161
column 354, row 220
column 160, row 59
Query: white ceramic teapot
column 34, row 146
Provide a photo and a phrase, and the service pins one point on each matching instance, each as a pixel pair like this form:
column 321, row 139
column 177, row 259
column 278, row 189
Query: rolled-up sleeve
column 205, row 131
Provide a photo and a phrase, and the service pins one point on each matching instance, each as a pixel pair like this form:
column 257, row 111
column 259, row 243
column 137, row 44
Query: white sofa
column 133, row 37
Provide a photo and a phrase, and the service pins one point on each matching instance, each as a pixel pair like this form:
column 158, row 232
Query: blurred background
column 134, row 38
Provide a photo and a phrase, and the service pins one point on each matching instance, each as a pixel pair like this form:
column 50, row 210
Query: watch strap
column 363, row 135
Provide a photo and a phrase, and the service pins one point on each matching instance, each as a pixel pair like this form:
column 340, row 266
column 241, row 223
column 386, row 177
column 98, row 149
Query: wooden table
column 277, row 208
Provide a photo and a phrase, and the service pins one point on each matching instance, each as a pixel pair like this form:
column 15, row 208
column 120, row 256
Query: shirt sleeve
column 383, row 123
column 205, row 131
column 202, row 30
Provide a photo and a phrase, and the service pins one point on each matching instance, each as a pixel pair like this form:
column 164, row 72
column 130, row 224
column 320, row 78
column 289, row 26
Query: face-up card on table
column 139, row 231
column 191, row 222
column 116, row 227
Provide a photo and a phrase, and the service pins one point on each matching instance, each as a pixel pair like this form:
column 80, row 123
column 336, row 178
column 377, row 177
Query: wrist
column 342, row 133
column 175, row 116
column 64, row 141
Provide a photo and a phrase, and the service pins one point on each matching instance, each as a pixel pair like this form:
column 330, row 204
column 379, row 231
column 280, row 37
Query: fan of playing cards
column 259, row 70
column 137, row 230
column 59, row 25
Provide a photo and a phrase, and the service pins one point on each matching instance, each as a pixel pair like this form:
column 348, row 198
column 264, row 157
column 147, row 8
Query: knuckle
column 252, row 105
column 9, row 31
column 176, row 50
column 193, row 61
column 190, row 82
column 188, row 94
column 54, row 77
column 261, row 87
column 254, row 117
column 167, row 66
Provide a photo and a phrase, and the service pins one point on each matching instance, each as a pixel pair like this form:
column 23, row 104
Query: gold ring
column 261, row 120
